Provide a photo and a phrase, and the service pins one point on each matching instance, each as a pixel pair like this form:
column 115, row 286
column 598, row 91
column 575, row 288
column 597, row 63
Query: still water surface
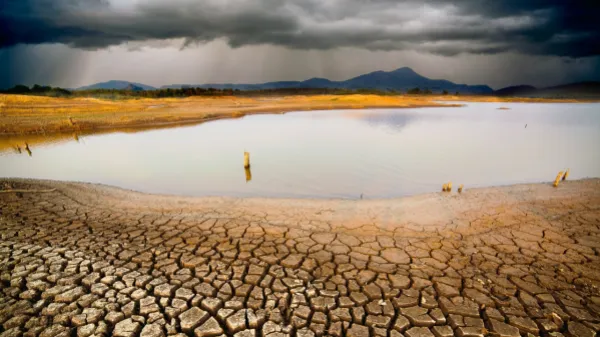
column 334, row 154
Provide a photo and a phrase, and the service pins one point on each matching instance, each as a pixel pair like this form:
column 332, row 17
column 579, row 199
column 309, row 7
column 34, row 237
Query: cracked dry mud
column 87, row 260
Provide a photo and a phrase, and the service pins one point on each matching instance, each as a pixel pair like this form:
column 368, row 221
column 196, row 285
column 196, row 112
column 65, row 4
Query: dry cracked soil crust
column 88, row 260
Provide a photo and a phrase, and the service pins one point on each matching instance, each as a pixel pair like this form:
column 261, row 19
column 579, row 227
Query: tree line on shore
column 38, row 90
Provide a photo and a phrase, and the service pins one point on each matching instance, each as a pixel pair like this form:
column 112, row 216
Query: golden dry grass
column 31, row 115
column 21, row 114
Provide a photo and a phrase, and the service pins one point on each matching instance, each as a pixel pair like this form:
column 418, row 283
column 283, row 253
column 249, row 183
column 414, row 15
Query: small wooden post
column 444, row 187
column 460, row 188
column 246, row 159
column 557, row 179
column 248, row 174
column 449, row 186
column 566, row 175
column 27, row 149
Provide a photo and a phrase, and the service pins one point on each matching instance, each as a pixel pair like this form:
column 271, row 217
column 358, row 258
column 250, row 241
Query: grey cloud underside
column 540, row 27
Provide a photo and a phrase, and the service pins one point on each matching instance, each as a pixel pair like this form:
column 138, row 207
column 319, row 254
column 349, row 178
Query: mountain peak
column 118, row 85
column 405, row 70
column 317, row 79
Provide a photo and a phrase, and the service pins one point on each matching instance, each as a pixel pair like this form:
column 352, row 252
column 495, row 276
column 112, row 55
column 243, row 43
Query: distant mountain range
column 402, row 79
column 573, row 90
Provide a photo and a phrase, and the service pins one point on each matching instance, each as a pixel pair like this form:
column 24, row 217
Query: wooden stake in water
column 246, row 159
column 557, row 179
column 566, row 175
column 449, row 186
column 248, row 174
column 28, row 149
column 460, row 188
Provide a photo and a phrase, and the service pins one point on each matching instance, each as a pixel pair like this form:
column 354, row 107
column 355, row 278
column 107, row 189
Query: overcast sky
column 71, row 43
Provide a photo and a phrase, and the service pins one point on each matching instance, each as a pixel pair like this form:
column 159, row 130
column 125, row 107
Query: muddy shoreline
column 91, row 260
column 426, row 212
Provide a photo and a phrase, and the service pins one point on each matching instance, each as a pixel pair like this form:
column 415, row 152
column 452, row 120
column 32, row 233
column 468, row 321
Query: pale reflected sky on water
column 324, row 154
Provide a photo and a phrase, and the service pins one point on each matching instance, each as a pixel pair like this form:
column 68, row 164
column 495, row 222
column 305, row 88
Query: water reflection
column 395, row 121
column 9, row 142
column 17, row 148
column 327, row 154
column 248, row 174
column 22, row 142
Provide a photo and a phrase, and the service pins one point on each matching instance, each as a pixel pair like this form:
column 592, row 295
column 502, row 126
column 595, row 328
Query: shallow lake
column 333, row 154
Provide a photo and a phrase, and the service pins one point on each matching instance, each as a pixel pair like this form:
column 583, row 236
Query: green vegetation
column 38, row 90
column 188, row 92
column 113, row 94
column 418, row 91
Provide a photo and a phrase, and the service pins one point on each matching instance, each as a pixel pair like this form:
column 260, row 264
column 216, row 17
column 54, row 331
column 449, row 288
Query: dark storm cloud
column 539, row 27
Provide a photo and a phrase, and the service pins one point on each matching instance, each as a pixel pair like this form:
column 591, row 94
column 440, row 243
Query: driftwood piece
column 28, row 191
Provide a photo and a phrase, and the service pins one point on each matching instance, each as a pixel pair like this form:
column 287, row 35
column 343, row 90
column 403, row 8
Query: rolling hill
column 583, row 90
column 119, row 85
column 516, row 90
